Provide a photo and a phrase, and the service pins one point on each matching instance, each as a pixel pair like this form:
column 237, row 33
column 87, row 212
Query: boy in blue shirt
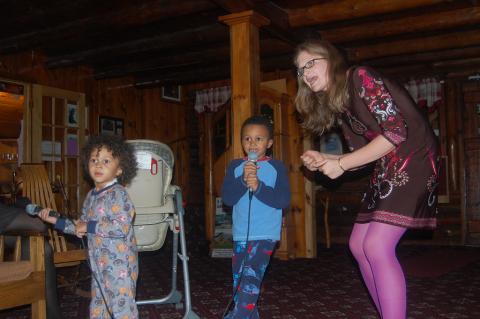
column 258, row 190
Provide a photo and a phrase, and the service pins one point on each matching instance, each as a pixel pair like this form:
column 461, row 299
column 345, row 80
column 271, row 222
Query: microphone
column 252, row 157
column 34, row 210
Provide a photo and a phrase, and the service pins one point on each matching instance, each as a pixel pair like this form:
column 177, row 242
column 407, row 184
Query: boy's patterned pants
column 248, row 267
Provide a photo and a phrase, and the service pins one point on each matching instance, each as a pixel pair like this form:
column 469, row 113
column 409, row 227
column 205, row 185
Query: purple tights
column 373, row 246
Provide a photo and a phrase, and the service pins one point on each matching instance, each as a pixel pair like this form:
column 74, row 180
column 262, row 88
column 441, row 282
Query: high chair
column 158, row 207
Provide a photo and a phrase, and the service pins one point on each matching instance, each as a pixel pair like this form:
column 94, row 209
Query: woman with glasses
column 382, row 125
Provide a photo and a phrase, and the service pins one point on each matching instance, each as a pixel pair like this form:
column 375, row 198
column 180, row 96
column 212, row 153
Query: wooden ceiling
column 166, row 41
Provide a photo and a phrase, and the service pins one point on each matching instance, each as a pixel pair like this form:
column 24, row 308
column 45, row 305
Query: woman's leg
column 356, row 247
column 379, row 245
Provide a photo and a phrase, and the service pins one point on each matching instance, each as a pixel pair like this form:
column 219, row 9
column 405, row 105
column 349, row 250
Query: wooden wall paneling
column 471, row 134
column 461, row 158
column 472, row 196
column 29, row 66
column 305, row 239
column 273, row 101
column 451, row 142
column 310, row 208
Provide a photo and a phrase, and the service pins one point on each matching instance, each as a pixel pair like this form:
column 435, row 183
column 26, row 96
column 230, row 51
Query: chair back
column 37, row 187
column 155, row 170
column 149, row 192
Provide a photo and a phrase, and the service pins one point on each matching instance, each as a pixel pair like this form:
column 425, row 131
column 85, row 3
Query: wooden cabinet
column 471, row 120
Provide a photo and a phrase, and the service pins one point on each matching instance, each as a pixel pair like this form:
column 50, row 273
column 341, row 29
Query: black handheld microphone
column 34, row 210
column 252, row 157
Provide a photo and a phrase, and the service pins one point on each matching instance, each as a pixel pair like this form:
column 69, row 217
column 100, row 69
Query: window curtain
column 427, row 93
column 209, row 100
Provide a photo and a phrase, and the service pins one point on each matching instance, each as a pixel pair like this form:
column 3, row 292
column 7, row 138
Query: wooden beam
column 402, row 25
column 206, row 34
column 415, row 45
column 350, row 9
column 175, row 61
column 468, row 63
column 31, row 15
column 204, row 73
column 184, row 76
column 425, row 57
column 122, row 19
column 197, row 59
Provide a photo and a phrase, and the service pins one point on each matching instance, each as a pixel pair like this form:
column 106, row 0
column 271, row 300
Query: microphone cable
column 98, row 283
column 225, row 312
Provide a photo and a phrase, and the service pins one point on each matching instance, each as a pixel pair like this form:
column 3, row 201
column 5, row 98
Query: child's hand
column 80, row 228
column 250, row 168
column 44, row 216
column 250, row 175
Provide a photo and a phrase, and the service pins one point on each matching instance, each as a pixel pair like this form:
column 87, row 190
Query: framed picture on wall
column 172, row 93
column 110, row 125
column 72, row 115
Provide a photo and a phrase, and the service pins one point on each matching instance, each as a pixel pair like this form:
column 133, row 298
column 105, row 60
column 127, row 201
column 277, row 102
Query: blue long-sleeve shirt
column 272, row 195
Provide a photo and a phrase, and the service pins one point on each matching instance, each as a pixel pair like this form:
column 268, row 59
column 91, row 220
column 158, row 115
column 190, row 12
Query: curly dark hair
column 121, row 150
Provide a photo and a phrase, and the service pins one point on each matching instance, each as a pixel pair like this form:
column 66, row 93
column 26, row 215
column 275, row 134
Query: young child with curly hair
column 107, row 216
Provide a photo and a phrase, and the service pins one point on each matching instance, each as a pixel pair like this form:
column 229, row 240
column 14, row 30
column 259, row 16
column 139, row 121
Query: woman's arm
column 371, row 152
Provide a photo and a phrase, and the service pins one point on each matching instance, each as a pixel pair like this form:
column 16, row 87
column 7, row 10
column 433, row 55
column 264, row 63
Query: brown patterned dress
column 403, row 187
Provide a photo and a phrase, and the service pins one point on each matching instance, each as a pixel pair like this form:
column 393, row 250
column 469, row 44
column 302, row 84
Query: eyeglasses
column 308, row 65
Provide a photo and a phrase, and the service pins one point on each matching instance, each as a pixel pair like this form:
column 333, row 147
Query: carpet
column 432, row 263
column 327, row 287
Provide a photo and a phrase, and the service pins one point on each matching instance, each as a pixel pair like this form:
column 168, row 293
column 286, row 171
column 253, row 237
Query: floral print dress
column 403, row 186
column 112, row 251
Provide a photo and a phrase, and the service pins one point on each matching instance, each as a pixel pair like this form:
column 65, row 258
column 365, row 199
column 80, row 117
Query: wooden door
column 58, row 126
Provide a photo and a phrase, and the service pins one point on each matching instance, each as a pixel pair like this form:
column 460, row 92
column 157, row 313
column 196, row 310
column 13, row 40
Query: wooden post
column 245, row 69
column 208, row 173
column 305, row 225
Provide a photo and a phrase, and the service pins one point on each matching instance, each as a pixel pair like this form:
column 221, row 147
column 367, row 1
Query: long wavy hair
column 320, row 109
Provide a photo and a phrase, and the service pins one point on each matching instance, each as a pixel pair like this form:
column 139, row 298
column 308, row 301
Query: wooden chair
column 37, row 187
column 23, row 282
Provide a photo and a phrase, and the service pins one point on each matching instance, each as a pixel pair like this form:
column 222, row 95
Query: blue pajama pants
column 248, row 267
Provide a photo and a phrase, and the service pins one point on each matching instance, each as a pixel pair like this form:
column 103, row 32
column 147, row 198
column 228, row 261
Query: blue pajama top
column 272, row 195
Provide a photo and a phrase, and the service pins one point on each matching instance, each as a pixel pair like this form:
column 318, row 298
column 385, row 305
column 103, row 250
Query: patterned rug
column 326, row 287
column 431, row 263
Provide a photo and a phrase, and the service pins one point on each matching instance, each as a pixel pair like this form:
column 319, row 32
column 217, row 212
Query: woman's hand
column 331, row 168
column 313, row 160
column 45, row 217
